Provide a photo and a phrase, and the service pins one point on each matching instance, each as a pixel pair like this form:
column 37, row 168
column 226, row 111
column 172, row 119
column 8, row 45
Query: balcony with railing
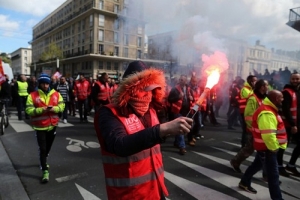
column 294, row 18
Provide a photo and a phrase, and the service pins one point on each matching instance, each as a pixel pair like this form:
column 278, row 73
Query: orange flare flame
column 213, row 78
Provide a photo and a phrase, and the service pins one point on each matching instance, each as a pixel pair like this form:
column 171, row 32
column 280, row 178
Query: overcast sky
column 250, row 20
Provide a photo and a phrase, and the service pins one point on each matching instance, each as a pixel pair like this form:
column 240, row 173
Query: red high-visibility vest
column 139, row 176
column 82, row 89
column 104, row 91
column 175, row 107
column 243, row 101
column 293, row 107
column 113, row 89
column 281, row 135
column 48, row 118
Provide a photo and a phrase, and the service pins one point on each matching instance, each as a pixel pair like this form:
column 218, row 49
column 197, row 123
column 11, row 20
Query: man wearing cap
column 101, row 91
column 43, row 106
column 130, row 135
column 82, row 90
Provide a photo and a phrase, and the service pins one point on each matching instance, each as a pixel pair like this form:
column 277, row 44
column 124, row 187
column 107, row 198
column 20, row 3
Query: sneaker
column 247, row 188
column 45, row 178
column 292, row 170
column 65, row 121
column 235, row 167
column 282, row 172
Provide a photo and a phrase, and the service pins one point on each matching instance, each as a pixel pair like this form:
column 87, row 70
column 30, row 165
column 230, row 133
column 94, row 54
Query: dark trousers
column 232, row 116
column 72, row 108
column 245, row 152
column 296, row 151
column 84, row 104
column 244, row 130
column 269, row 159
column 65, row 112
column 196, row 127
column 45, row 140
column 21, row 106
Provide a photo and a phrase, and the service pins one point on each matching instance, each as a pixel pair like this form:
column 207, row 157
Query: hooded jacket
column 117, row 142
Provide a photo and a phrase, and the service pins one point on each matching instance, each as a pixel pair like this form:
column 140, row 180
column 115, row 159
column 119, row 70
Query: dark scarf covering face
column 140, row 105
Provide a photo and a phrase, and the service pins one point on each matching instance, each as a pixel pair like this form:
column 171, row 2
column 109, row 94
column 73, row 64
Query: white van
column 7, row 70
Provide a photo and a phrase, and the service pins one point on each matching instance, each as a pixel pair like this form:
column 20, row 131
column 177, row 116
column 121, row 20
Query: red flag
column 2, row 77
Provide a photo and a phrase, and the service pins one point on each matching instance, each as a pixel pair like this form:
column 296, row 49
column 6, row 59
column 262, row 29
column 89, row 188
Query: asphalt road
column 76, row 168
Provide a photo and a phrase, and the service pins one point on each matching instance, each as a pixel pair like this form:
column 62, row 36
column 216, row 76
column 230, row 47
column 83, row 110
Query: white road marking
column 288, row 185
column 194, row 189
column 86, row 194
column 288, row 149
column 286, row 157
column 19, row 126
column 71, row 177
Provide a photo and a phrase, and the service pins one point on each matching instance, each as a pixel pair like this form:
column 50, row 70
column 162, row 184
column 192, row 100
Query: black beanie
column 133, row 67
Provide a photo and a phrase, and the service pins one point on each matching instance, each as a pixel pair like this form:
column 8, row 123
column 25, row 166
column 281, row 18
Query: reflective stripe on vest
column 132, row 177
column 104, row 91
column 22, row 88
column 129, row 182
column 243, row 101
column 293, row 108
column 46, row 119
column 281, row 135
column 175, row 107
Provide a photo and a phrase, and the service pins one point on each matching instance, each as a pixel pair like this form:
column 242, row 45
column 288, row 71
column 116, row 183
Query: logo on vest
column 55, row 100
column 133, row 124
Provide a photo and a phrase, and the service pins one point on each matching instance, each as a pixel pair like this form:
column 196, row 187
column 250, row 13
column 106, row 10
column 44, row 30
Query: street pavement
column 76, row 169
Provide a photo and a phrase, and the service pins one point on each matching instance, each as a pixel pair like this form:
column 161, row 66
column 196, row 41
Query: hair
column 259, row 84
column 103, row 74
column 250, row 77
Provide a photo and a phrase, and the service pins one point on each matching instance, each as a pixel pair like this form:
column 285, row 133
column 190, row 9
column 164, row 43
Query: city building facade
column 21, row 61
column 95, row 36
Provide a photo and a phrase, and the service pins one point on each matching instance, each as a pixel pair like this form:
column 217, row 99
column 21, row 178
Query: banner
column 2, row 77
column 57, row 75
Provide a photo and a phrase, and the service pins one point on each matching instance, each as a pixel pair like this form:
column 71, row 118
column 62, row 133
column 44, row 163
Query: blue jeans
column 179, row 139
column 269, row 159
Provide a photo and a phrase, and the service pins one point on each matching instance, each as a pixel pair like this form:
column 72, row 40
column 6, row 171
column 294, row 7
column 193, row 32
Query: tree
column 52, row 52
column 5, row 58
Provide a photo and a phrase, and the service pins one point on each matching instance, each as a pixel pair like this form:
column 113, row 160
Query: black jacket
column 5, row 92
column 286, row 104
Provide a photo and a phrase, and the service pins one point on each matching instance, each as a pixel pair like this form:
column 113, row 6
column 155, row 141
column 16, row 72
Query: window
column 101, row 20
column 116, row 8
column 116, row 51
column 116, row 37
column 101, row 5
column 25, row 58
column 126, row 39
column 108, row 65
column 139, row 42
column 116, row 24
column 140, row 30
column 251, row 67
column 91, row 35
column 25, row 52
column 258, row 67
column 101, row 35
column 91, row 20
column 126, row 52
column 116, row 66
column 101, row 48
column 252, row 53
column 139, row 54
column 100, row 65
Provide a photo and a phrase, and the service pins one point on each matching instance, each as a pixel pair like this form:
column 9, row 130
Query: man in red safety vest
column 130, row 135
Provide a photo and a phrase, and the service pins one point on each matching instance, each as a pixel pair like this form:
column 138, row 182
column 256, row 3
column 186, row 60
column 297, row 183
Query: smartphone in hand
column 49, row 107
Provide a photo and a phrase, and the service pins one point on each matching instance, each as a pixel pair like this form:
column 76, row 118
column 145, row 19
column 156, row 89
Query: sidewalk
column 11, row 187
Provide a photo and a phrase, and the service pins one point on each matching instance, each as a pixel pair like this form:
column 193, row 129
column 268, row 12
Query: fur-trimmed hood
column 138, row 81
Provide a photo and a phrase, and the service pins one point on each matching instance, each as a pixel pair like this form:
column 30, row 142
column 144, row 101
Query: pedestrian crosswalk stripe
column 228, row 181
column 287, row 183
column 194, row 189
column 19, row 126
column 288, row 149
column 286, row 157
